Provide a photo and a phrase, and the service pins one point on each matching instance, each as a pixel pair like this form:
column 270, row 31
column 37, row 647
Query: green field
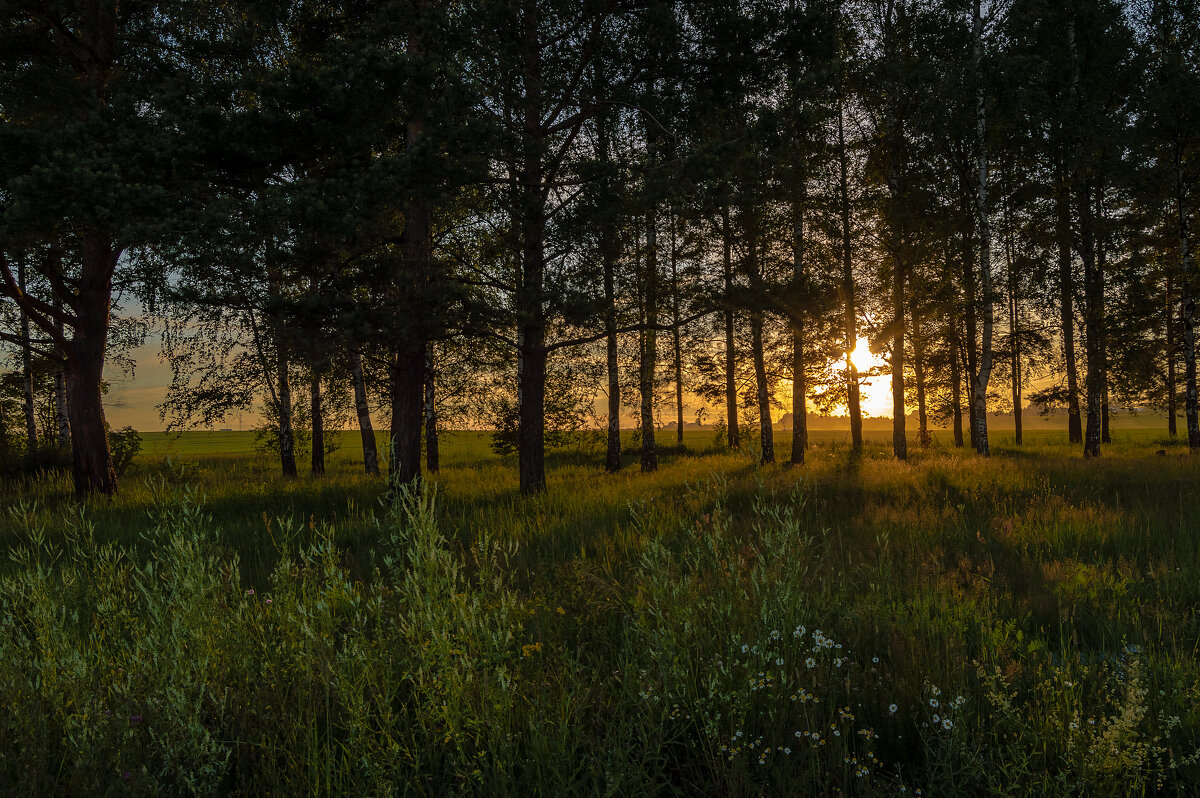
column 1023, row 625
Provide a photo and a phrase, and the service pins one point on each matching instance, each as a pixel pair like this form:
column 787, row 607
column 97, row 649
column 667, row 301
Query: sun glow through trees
column 876, row 390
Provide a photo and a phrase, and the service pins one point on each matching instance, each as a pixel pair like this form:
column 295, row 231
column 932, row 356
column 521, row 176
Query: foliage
column 124, row 444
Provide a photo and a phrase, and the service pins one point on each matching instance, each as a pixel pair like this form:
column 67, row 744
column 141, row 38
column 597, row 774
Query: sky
column 133, row 401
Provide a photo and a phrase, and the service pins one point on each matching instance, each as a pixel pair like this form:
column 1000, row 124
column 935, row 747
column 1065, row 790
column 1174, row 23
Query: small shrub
column 124, row 445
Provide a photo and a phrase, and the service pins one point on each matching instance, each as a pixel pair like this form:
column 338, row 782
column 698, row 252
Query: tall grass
column 1024, row 625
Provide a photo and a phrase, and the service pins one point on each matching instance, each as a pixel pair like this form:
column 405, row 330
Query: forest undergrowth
column 1024, row 625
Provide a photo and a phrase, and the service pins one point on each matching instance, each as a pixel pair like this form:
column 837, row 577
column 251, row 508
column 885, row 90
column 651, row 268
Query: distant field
column 458, row 445
column 1021, row 625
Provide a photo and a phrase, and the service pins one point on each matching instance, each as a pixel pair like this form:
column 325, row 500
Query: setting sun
column 876, row 392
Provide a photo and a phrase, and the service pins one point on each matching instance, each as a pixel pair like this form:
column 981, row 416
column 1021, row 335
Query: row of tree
column 490, row 208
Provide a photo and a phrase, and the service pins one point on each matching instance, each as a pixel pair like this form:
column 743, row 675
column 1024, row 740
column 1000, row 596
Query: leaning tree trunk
column 318, row 424
column 432, row 450
column 363, row 410
column 731, row 409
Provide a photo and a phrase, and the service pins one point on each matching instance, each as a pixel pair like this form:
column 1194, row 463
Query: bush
column 124, row 445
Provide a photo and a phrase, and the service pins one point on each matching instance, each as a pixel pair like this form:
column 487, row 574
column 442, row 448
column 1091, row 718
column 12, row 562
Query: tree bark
column 853, row 405
column 531, row 311
column 677, row 343
column 956, row 385
column 318, row 424
column 731, row 399
column 1187, row 304
column 918, row 341
column 983, row 375
column 766, row 432
column 287, row 436
column 1093, row 289
column 407, row 373
column 799, row 369
column 1169, row 336
column 432, row 450
column 649, row 336
column 407, row 369
column 1066, row 292
column 363, row 410
column 612, row 459
column 31, row 432
column 1014, row 325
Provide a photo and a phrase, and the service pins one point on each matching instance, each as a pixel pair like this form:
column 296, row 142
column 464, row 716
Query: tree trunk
column 766, row 432
column 318, row 424
column 432, row 451
column 612, row 459
column 956, row 386
column 61, row 423
column 899, row 437
column 731, row 409
column 1094, row 320
column 649, row 336
column 1187, row 305
column 92, row 466
column 407, row 373
column 853, row 405
column 918, row 341
column 1172, row 379
column 677, row 343
column 531, row 310
column 1014, row 326
column 799, row 375
column 609, row 254
column 31, row 432
column 1066, row 292
column 983, row 375
column 897, row 245
column 287, row 436
column 363, row 411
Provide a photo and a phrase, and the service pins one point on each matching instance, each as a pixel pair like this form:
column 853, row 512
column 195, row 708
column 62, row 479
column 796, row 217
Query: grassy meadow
column 1022, row 625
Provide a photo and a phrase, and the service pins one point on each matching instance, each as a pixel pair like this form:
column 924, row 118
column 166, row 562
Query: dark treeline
column 447, row 212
